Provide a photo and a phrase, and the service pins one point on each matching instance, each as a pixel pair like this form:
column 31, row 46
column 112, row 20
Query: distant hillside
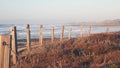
column 112, row 22
column 106, row 22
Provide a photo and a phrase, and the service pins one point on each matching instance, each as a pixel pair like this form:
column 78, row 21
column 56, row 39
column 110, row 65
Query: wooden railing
column 8, row 43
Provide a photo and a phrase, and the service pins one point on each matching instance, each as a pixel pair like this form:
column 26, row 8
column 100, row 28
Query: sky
column 58, row 11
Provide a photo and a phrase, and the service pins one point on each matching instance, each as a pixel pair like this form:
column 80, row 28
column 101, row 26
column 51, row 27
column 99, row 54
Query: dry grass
column 95, row 51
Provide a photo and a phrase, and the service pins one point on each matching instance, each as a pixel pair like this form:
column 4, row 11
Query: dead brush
column 106, row 59
column 95, row 51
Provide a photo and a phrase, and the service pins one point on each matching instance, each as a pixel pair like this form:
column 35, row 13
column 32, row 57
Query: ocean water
column 35, row 28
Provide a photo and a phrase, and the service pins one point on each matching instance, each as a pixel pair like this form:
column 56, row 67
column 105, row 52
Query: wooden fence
column 8, row 43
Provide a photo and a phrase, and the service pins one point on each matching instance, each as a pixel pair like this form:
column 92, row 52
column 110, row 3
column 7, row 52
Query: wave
column 35, row 28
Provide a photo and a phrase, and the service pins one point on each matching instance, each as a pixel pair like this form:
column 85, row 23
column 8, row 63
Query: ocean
column 35, row 28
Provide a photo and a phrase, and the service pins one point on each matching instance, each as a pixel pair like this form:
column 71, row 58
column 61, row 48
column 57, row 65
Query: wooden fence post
column 61, row 34
column 52, row 34
column 107, row 29
column 69, row 33
column 41, row 36
column 5, row 45
column 81, row 33
column 89, row 30
column 14, row 44
column 28, row 37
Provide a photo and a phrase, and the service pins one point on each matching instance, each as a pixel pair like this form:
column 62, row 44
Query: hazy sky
column 59, row 10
